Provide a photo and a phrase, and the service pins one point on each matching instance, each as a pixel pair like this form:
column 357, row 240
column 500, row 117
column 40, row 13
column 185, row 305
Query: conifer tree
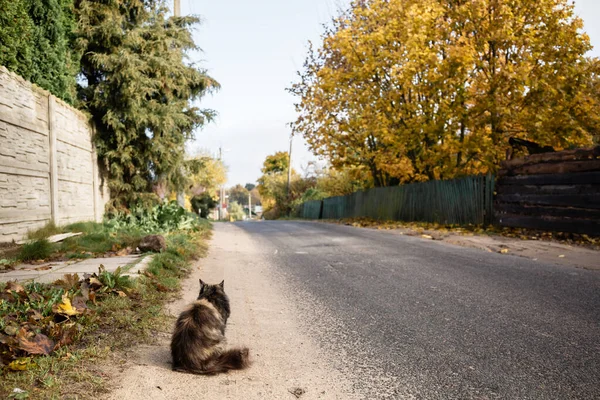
column 140, row 89
column 36, row 42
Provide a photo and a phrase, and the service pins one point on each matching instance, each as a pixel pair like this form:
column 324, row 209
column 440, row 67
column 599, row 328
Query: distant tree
column 256, row 199
column 203, row 204
column 250, row 186
column 276, row 163
column 236, row 211
column 239, row 194
column 206, row 174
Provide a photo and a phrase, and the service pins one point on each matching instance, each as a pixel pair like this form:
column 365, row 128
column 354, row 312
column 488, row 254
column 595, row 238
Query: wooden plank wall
column 551, row 191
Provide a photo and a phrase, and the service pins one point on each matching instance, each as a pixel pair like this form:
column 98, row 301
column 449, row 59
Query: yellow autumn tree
column 431, row 89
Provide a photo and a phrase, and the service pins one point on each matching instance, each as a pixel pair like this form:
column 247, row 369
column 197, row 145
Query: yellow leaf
column 504, row 251
column 21, row 364
column 65, row 307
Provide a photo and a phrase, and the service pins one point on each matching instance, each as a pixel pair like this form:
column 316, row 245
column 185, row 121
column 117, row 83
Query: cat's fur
column 198, row 342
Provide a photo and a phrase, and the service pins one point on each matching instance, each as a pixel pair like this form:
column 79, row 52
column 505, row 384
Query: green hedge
column 35, row 42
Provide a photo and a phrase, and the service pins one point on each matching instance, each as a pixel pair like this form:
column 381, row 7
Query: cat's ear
column 202, row 285
column 222, row 284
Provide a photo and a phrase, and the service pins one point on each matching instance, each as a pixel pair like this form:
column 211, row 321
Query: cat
column 198, row 341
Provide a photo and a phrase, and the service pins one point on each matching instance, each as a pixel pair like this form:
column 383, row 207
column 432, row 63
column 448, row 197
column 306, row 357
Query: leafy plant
column 114, row 280
column 160, row 218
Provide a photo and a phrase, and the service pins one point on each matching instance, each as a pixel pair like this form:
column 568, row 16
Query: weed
column 7, row 262
column 38, row 250
column 85, row 227
column 48, row 230
column 115, row 280
column 160, row 218
column 72, row 256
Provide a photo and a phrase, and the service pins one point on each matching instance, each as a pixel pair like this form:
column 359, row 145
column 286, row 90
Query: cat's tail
column 236, row 358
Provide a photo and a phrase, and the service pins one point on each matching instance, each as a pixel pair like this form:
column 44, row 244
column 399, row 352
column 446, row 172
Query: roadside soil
column 286, row 363
column 571, row 255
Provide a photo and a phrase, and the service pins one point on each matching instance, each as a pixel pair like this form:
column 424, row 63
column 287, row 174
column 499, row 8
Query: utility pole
column 177, row 8
column 290, row 165
column 221, row 194
column 249, row 205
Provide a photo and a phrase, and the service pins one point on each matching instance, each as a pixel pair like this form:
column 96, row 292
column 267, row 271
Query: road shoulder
column 286, row 363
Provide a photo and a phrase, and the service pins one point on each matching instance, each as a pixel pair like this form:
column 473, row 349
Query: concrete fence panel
column 48, row 166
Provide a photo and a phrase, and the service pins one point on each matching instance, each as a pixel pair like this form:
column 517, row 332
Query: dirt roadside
column 286, row 363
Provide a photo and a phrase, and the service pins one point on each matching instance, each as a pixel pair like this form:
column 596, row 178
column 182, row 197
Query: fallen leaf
column 504, row 251
column 35, row 315
column 121, row 293
column 68, row 281
column 65, row 333
column 561, row 256
column 85, row 290
column 13, row 286
column 44, row 268
column 7, row 340
column 427, row 236
column 11, row 329
column 35, row 297
column 21, row 364
column 40, row 344
column 161, row 288
column 124, row 252
column 79, row 303
column 65, row 307
column 94, row 283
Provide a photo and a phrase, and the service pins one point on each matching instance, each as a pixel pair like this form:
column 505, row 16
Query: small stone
column 154, row 243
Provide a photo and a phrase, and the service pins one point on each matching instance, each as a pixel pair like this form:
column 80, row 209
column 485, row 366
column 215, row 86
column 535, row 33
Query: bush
column 160, row 218
column 236, row 212
column 203, row 204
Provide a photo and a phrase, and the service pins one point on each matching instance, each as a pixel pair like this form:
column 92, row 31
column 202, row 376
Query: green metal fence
column 311, row 209
column 459, row 201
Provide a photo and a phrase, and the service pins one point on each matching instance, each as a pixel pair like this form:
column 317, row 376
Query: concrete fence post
column 53, row 170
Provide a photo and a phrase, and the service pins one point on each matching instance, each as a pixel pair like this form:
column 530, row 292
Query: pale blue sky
column 254, row 48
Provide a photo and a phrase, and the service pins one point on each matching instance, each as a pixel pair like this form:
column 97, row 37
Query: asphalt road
column 411, row 318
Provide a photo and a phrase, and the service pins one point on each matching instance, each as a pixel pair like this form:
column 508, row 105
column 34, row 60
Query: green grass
column 38, row 250
column 96, row 242
column 85, row 227
column 78, row 255
column 48, row 230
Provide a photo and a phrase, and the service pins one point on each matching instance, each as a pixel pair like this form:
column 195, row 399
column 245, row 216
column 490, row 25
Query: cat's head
column 211, row 291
